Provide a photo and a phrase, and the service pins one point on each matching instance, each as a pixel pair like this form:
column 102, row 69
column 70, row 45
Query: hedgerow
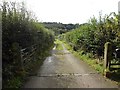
column 20, row 26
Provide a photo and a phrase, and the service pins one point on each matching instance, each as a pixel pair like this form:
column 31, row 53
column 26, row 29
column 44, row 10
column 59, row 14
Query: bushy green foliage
column 20, row 27
column 92, row 36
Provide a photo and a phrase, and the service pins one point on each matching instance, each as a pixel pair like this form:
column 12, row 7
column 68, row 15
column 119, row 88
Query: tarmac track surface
column 63, row 70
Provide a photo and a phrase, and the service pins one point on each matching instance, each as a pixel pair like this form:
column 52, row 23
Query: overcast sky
column 69, row 11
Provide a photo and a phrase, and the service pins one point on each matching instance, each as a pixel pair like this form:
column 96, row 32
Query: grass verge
column 58, row 44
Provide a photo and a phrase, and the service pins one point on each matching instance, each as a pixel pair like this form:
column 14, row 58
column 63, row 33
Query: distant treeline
column 59, row 28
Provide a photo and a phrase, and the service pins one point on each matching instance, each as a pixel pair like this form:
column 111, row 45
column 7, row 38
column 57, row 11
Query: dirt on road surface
column 63, row 70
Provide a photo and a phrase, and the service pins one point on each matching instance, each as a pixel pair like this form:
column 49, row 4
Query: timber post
column 17, row 57
column 107, row 56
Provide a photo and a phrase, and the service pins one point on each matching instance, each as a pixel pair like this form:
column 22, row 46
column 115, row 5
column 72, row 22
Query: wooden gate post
column 107, row 55
column 17, row 57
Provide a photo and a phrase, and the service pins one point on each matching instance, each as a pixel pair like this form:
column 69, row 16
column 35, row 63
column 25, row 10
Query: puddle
column 49, row 59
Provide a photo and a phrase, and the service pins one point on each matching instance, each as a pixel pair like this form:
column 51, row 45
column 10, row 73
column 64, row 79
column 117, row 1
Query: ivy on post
column 17, row 58
column 107, row 56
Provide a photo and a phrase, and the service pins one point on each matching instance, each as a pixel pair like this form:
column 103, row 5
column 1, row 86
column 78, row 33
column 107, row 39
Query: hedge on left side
column 20, row 26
